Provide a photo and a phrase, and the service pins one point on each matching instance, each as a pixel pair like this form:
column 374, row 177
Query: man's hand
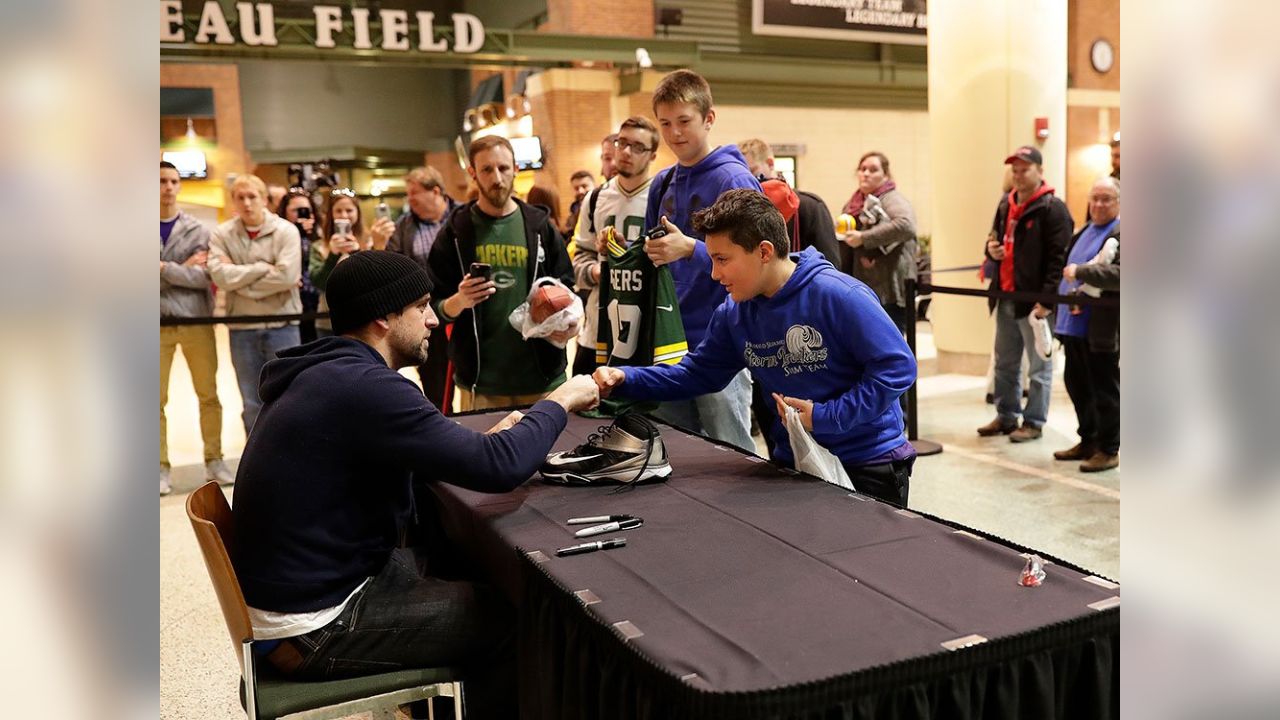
column 471, row 292
column 995, row 249
column 671, row 247
column 381, row 232
column 564, row 336
column 1069, row 272
column 579, row 393
column 200, row 257
column 595, row 273
column 608, row 378
column 804, row 407
column 1040, row 311
column 853, row 239
column 161, row 267
column 602, row 242
column 506, row 423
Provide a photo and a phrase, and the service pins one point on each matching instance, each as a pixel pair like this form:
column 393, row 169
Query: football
column 547, row 301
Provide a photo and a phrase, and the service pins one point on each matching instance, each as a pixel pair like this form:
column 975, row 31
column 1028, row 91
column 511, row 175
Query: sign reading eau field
column 884, row 21
column 256, row 26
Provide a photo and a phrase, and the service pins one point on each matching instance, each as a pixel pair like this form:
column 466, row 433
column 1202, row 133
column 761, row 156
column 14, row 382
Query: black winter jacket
column 1039, row 247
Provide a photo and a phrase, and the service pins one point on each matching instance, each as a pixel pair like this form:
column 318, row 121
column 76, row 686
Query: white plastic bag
column 569, row 317
column 1043, row 335
column 812, row 457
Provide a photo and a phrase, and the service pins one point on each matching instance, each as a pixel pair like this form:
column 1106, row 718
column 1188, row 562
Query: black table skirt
column 575, row 664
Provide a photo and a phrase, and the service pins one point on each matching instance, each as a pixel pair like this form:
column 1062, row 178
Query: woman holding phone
column 298, row 207
column 344, row 228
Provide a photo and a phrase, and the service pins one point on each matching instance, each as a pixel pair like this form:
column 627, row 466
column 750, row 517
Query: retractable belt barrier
column 168, row 320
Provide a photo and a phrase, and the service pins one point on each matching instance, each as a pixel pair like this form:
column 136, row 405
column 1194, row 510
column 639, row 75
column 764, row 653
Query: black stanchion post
column 923, row 447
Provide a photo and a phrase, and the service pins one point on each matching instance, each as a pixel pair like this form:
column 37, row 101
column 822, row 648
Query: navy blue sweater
column 325, row 484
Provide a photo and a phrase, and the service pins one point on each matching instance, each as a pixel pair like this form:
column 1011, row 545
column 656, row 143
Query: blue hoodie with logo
column 689, row 190
column 822, row 337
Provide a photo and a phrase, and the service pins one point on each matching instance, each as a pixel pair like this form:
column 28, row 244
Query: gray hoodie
column 185, row 291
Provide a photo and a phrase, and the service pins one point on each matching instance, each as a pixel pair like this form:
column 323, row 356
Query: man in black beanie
column 325, row 490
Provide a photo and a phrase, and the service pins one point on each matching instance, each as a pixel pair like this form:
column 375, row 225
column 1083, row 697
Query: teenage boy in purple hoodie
column 814, row 338
column 683, row 106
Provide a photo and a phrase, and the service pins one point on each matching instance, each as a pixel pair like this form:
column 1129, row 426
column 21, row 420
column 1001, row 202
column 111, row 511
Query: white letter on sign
column 427, row 41
column 360, row 16
column 328, row 19
column 468, row 33
column 395, row 29
column 264, row 32
column 171, row 21
column 213, row 23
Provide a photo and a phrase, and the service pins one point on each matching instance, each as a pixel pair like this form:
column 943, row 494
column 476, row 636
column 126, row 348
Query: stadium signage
column 400, row 30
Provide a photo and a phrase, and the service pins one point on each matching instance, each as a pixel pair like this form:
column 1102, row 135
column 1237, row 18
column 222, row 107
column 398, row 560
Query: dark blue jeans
column 404, row 620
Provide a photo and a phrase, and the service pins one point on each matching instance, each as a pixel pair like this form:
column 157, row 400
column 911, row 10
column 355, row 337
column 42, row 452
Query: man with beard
column 493, row 365
column 620, row 205
column 326, row 492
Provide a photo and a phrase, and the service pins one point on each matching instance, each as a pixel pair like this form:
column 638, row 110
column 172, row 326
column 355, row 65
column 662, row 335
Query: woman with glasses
column 344, row 228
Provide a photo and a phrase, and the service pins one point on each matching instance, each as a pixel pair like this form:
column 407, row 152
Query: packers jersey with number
column 639, row 316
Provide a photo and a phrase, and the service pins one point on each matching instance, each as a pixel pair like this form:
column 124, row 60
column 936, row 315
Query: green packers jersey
column 639, row 317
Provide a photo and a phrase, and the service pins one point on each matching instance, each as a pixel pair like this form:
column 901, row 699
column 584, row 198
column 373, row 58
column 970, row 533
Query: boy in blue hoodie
column 682, row 103
column 813, row 337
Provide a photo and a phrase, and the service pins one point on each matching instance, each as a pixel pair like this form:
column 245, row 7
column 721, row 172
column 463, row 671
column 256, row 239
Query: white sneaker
column 165, row 486
column 218, row 471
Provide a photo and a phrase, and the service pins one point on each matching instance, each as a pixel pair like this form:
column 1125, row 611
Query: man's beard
column 498, row 195
column 408, row 353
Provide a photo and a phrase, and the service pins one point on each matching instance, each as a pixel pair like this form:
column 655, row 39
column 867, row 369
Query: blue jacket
column 324, row 486
column 688, row 190
column 822, row 337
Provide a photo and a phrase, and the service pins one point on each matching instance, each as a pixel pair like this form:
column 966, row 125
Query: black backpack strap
column 591, row 210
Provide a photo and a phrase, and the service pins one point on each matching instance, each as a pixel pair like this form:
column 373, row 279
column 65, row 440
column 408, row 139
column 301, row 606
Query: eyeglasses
column 345, row 192
column 636, row 148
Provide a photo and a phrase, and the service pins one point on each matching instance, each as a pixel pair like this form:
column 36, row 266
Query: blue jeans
column 1013, row 340
column 724, row 416
column 250, row 350
column 403, row 619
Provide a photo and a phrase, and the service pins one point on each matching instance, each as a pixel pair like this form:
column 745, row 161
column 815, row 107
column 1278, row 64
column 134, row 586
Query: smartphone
column 655, row 233
column 303, row 212
column 481, row 270
column 341, row 226
column 383, row 211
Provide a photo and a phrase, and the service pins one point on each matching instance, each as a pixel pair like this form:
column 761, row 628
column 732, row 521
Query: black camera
column 655, row 233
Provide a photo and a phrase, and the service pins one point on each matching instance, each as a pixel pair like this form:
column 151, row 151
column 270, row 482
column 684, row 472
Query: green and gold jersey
column 639, row 316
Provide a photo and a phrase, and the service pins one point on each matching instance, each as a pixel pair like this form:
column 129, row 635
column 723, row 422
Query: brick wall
column 614, row 18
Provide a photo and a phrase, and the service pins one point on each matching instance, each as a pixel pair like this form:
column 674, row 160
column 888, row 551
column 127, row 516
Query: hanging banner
column 255, row 25
column 885, row 21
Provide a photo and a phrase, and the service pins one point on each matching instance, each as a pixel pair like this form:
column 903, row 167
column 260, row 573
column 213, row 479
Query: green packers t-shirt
column 508, row 365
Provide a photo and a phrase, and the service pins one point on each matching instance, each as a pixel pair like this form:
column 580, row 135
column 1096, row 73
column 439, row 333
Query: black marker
column 591, row 547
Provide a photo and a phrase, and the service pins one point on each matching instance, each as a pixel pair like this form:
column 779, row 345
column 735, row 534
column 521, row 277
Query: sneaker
column 165, row 486
column 1099, row 462
column 630, row 451
column 997, row 427
column 1043, row 335
column 1026, row 433
column 1079, row 451
column 218, row 471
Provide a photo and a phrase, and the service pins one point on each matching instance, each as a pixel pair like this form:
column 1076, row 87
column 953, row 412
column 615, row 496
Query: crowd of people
column 780, row 310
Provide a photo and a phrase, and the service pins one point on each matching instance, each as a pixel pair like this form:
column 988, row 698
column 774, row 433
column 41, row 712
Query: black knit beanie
column 373, row 284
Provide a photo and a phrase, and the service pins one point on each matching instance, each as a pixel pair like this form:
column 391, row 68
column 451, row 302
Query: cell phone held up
column 304, row 213
column 383, row 211
column 655, row 233
column 341, row 226
column 481, row 270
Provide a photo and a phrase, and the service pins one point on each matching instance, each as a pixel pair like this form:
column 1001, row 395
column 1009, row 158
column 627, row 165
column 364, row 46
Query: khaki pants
column 468, row 402
column 200, row 350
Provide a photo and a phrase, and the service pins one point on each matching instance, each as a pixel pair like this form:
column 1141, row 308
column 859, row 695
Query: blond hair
column 425, row 176
column 756, row 151
column 683, row 86
column 251, row 181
